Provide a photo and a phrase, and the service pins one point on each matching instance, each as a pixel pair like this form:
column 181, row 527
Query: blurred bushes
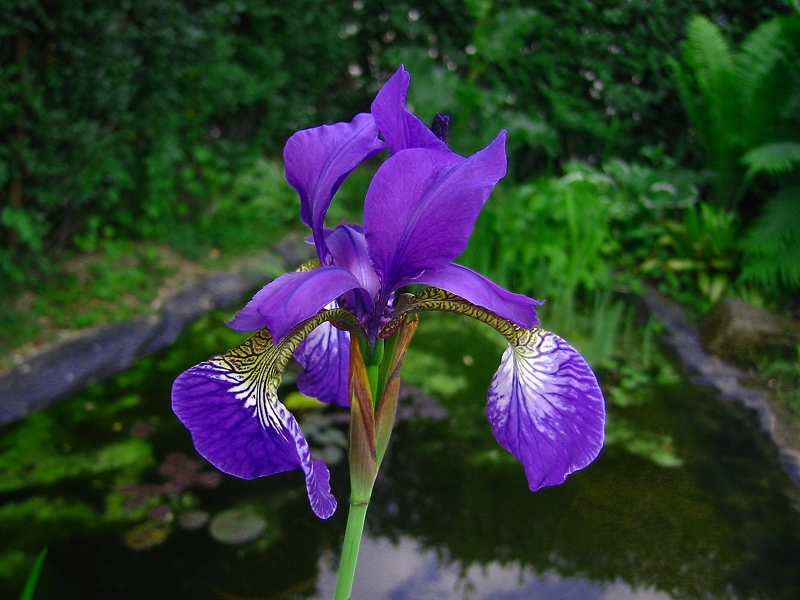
column 618, row 226
column 125, row 119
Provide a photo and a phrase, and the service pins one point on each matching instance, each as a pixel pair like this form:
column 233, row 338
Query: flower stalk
column 363, row 463
column 371, row 426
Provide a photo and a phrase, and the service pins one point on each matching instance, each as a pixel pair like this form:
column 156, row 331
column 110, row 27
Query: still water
column 687, row 501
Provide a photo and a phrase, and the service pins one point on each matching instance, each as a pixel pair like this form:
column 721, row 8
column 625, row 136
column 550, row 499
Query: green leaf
column 772, row 243
column 29, row 226
column 775, row 158
column 766, row 90
column 33, row 578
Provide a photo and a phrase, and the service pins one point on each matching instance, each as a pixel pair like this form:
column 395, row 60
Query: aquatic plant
column 348, row 318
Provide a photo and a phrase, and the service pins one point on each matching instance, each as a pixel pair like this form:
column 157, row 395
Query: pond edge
column 101, row 352
column 684, row 337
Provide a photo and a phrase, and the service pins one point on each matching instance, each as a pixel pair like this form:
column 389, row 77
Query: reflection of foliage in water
column 43, row 452
column 610, row 335
column 33, row 458
column 86, row 464
column 721, row 519
column 688, row 531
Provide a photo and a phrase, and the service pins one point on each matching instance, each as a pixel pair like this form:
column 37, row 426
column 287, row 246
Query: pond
column 687, row 500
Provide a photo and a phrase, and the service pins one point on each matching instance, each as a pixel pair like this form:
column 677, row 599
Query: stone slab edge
column 103, row 352
column 684, row 337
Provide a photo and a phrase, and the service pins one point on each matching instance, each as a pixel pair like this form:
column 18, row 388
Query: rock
column 192, row 302
column 294, row 251
column 103, row 352
column 741, row 333
column 684, row 338
column 71, row 366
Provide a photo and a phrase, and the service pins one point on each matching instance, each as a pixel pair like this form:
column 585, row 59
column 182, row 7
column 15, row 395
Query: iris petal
column 348, row 247
column 230, row 406
column 400, row 128
column 479, row 290
column 319, row 159
column 421, row 208
column 546, row 408
column 292, row 298
column 325, row 357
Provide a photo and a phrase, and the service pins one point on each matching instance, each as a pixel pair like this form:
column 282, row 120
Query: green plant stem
column 352, row 544
column 373, row 373
column 357, row 513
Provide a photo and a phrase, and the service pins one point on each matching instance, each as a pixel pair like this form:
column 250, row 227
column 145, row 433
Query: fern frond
column 772, row 243
column 779, row 157
column 711, row 58
column 758, row 53
column 708, row 50
column 717, row 118
column 768, row 82
column 689, row 95
column 773, row 271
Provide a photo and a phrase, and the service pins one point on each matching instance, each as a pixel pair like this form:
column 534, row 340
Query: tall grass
column 552, row 239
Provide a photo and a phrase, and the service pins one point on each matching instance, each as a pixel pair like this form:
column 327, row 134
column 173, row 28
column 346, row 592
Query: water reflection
column 404, row 571
column 451, row 516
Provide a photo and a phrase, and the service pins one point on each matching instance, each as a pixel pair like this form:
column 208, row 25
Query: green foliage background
column 129, row 118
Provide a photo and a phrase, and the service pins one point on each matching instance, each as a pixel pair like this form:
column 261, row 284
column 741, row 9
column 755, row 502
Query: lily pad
column 145, row 536
column 235, row 526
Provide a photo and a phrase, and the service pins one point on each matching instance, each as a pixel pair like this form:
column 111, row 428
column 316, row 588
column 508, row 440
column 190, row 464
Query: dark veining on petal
column 435, row 299
column 441, row 123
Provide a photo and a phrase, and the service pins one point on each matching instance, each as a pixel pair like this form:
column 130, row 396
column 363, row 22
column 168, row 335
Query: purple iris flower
column 544, row 403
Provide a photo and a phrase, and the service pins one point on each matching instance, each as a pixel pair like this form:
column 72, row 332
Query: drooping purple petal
column 400, row 128
column 476, row 288
column 319, row 159
column 238, row 425
column 546, row 408
column 325, row 357
column 422, row 205
column 292, row 298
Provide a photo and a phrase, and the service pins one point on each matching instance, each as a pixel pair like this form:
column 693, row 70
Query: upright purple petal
column 319, row 159
column 476, row 288
column 325, row 357
column 400, row 128
column 238, row 425
column 293, row 298
column 546, row 408
column 422, row 205
column 348, row 248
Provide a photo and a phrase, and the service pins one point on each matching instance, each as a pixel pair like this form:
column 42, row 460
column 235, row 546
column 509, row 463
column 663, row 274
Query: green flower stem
column 383, row 373
column 373, row 357
column 352, row 544
column 373, row 372
column 359, row 497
